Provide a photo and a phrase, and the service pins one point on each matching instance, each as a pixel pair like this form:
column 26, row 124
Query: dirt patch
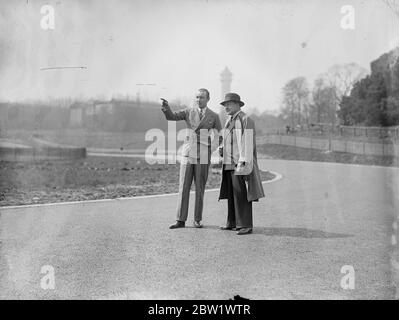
column 88, row 179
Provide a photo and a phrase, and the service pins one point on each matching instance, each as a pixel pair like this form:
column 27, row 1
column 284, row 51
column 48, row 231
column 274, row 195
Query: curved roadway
column 316, row 219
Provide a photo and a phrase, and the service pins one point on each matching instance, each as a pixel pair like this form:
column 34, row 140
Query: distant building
column 104, row 107
column 88, row 114
column 225, row 77
column 85, row 112
column 76, row 115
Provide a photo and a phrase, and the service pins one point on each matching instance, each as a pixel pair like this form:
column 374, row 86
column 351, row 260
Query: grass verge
column 275, row 151
column 89, row 179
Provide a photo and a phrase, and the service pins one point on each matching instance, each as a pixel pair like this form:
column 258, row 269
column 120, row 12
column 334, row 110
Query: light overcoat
column 244, row 127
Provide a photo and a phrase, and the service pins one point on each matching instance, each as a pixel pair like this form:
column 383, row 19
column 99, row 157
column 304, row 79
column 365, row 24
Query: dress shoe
column 244, row 231
column 227, row 228
column 197, row 224
column 178, row 224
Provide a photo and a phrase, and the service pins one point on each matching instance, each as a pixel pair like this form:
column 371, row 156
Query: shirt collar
column 199, row 109
column 235, row 115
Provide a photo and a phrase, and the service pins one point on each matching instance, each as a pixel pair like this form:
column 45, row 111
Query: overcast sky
column 183, row 45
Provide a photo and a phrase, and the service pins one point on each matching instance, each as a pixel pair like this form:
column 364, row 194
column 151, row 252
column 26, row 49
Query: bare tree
column 295, row 105
column 393, row 5
column 324, row 100
column 342, row 77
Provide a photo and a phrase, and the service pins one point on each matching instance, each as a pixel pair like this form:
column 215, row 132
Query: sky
column 170, row 48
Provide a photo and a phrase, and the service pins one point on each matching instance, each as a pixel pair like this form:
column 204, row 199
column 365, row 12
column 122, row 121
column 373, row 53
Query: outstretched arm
column 173, row 116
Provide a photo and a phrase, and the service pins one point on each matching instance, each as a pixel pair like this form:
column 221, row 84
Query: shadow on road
column 299, row 233
column 289, row 232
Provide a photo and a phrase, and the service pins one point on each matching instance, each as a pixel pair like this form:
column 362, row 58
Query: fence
column 379, row 132
column 357, row 132
column 338, row 145
column 37, row 149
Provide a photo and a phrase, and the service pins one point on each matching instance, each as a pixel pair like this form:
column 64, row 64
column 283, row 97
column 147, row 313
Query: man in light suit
column 202, row 124
column 241, row 182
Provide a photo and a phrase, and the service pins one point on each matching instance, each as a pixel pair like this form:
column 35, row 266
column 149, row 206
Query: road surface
column 318, row 218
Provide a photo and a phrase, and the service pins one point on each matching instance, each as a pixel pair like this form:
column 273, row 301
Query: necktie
column 228, row 122
column 201, row 114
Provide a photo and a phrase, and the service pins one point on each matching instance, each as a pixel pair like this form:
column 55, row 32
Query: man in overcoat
column 203, row 127
column 241, row 182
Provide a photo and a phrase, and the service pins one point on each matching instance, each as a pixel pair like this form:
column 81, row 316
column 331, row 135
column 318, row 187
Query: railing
column 379, row 132
column 339, row 131
column 384, row 148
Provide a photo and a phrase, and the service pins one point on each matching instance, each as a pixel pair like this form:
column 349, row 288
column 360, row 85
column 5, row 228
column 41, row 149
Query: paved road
column 316, row 219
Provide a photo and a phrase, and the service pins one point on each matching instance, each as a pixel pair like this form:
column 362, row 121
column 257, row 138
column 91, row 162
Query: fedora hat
column 232, row 97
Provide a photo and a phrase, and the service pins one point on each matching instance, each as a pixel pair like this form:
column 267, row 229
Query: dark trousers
column 239, row 213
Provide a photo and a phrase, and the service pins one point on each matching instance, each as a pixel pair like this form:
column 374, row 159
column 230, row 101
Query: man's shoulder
column 211, row 112
column 245, row 117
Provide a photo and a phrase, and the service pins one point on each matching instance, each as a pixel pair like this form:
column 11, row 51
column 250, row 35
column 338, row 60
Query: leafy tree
column 393, row 110
column 367, row 104
column 374, row 100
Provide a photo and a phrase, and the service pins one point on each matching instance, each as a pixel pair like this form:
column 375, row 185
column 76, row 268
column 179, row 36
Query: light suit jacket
column 202, row 137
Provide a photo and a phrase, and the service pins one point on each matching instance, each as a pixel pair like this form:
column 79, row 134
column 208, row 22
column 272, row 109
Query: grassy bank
column 295, row 153
column 88, row 179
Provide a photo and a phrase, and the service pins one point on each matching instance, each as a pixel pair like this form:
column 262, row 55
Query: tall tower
column 225, row 78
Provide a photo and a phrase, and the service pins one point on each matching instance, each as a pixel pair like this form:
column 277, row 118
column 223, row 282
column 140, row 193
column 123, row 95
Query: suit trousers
column 239, row 213
column 188, row 173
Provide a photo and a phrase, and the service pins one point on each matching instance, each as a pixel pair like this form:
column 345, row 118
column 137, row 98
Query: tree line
column 346, row 94
column 125, row 116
